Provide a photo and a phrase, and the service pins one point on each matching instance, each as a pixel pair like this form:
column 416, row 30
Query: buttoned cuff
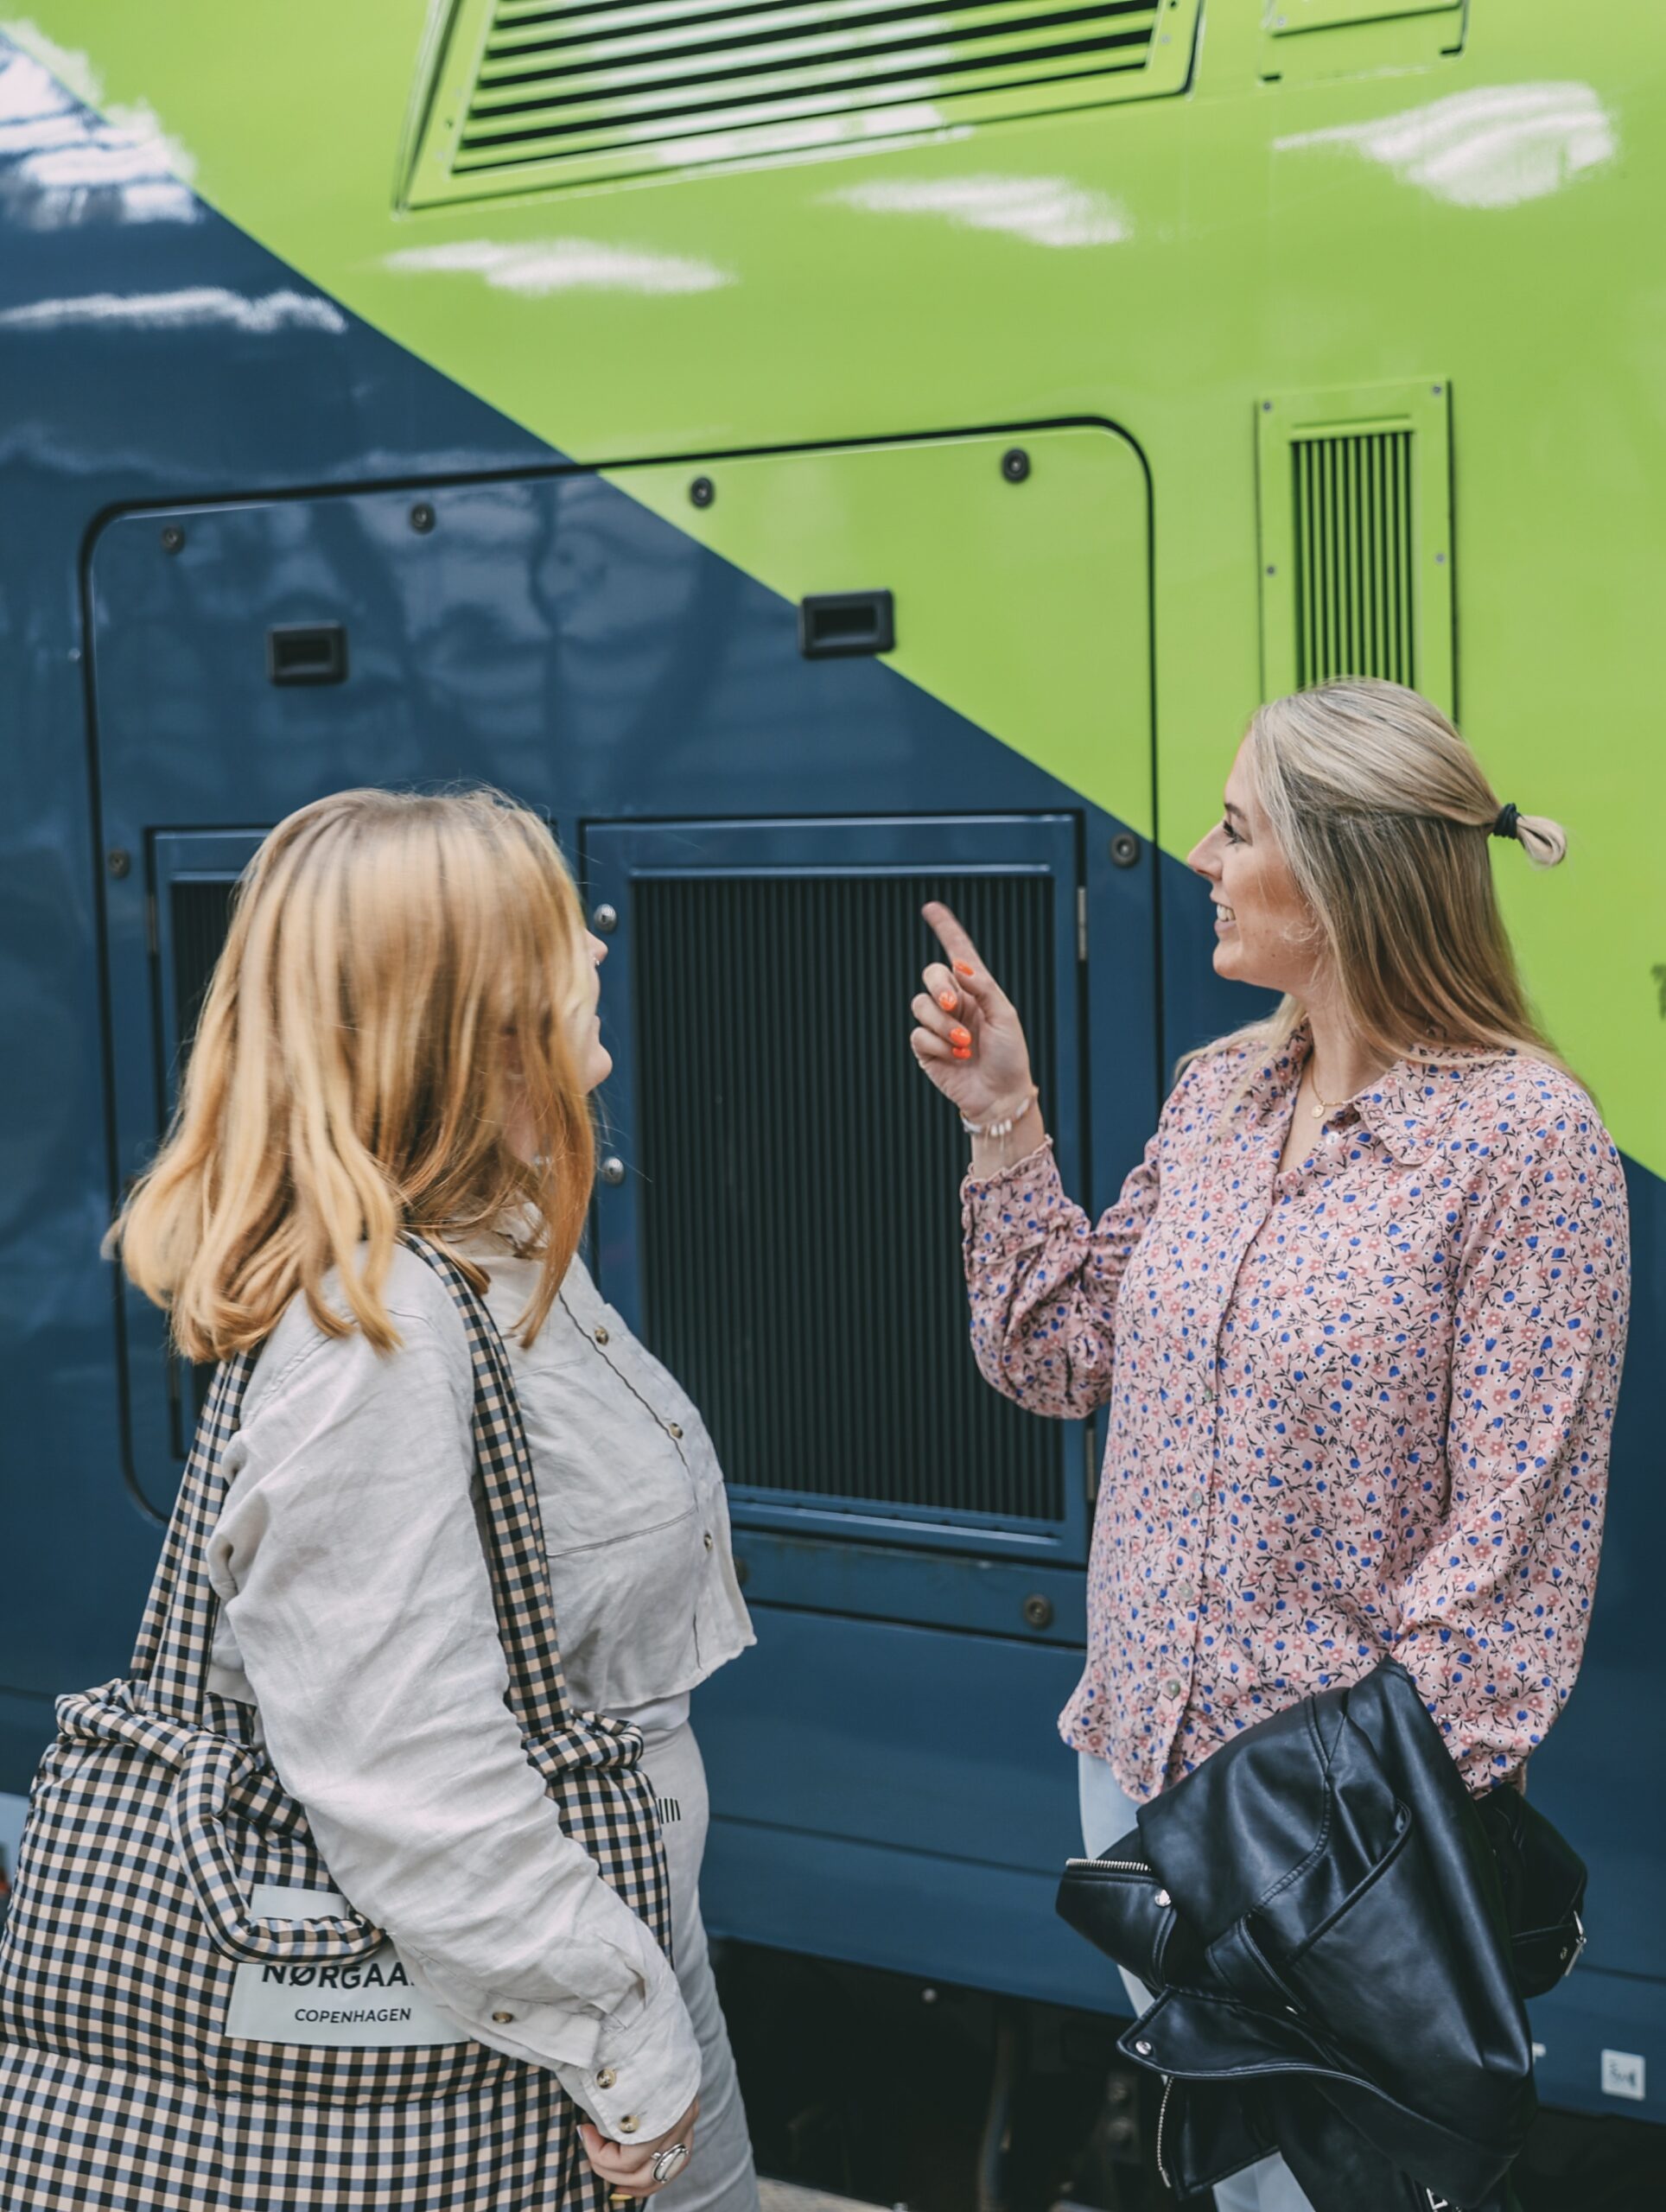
column 643, row 2076
column 978, row 1184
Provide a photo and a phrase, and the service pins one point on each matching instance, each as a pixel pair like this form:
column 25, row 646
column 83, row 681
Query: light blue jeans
column 1108, row 1813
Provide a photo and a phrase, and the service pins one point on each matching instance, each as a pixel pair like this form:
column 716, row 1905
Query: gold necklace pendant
column 1321, row 1107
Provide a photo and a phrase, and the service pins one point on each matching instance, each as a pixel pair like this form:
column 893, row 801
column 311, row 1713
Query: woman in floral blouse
column 1357, row 1315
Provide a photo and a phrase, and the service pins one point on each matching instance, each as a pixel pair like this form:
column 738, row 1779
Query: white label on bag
column 353, row 2003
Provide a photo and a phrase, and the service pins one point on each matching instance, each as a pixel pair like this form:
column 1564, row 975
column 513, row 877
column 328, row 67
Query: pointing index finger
column 963, row 953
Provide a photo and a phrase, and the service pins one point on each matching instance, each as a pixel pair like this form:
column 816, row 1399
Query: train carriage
column 824, row 456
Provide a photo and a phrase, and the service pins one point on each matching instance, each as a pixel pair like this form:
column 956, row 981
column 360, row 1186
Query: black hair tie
column 1505, row 825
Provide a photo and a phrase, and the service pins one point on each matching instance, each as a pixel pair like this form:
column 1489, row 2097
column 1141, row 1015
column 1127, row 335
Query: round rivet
column 1124, row 848
column 612, row 1170
column 1436, row 389
column 173, row 537
column 118, row 861
column 605, row 2079
column 601, row 1336
column 421, row 517
column 604, row 920
column 702, row 490
column 1015, row 464
column 1266, row 406
column 1038, row 1610
column 1163, row 1898
column 928, row 1996
column 503, row 2018
column 1143, row 2048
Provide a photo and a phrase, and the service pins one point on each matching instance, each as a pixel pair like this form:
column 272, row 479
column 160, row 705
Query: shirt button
column 1171, row 1688
column 672, row 1429
column 503, row 2018
column 706, row 1540
column 606, row 2078
column 601, row 1336
column 629, row 2125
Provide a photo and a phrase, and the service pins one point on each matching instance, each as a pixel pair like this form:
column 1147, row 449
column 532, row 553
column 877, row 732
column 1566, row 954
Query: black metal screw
column 118, row 861
column 172, row 538
column 702, row 490
column 1124, row 848
column 1266, row 406
column 421, row 517
column 1037, row 1610
column 1015, row 464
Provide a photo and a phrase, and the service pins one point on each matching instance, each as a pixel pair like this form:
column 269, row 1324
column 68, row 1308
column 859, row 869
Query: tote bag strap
column 515, row 1551
column 176, row 1640
column 176, row 1636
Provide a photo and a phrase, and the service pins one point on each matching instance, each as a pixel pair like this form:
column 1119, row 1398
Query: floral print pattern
column 1357, row 1409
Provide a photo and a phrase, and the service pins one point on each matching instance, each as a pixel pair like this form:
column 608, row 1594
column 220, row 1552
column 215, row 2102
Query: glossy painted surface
column 545, row 628
column 1150, row 270
column 128, row 312
column 1487, row 214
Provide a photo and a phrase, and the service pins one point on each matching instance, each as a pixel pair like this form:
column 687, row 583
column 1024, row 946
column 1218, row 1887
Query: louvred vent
column 1356, row 582
column 609, row 87
column 801, row 1210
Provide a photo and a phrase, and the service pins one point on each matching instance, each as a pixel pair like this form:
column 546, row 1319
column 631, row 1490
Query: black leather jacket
column 1341, row 1939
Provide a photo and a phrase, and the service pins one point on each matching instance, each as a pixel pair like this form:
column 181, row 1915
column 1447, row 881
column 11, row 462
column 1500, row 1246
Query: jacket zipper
column 1138, row 1866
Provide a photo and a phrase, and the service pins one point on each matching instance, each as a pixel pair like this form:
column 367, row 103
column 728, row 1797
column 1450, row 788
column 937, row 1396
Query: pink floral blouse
column 1357, row 1409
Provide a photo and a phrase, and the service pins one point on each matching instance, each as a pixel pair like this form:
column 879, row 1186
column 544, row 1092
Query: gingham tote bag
column 156, row 1819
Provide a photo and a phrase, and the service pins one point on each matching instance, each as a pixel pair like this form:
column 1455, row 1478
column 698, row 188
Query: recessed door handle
column 307, row 652
column 832, row 624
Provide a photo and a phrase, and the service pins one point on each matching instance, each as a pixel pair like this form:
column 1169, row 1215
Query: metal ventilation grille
column 1356, row 580
column 614, row 86
column 801, row 1222
column 198, row 915
column 199, row 911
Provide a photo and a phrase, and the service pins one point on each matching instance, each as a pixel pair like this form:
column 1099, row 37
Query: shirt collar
column 1409, row 1110
column 1406, row 1111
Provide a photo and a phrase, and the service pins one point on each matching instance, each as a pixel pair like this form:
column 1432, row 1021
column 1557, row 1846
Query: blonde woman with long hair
column 399, row 1042
column 1357, row 1315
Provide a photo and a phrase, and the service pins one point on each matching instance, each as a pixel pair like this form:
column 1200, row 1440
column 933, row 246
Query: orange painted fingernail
column 961, row 1052
column 961, row 969
column 947, row 1001
column 960, row 1037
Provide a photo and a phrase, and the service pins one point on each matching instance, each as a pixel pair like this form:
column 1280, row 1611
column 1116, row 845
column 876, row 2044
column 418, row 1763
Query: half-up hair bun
column 1545, row 841
column 1382, row 814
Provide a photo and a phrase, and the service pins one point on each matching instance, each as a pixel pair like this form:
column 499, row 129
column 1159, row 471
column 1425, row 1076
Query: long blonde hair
column 1384, row 816
column 395, row 984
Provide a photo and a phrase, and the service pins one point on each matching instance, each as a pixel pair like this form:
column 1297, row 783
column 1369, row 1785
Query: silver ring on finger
column 670, row 2163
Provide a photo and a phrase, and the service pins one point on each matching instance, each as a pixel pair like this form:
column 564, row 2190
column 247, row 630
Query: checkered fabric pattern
column 153, row 1817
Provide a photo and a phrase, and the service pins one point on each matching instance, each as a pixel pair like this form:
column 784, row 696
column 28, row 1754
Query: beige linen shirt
column 356, row 1615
